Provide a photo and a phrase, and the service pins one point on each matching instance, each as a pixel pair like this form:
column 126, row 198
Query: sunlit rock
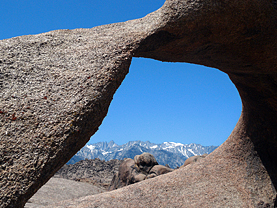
column 55, row 89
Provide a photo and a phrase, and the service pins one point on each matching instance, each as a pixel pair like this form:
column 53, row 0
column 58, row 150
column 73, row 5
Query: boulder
column 139, row 177
column 160, row 170
column 152, row 175
column 127, row 174
column 145, row 162
column 131, row 171
column 56, row 87
column 193, row 159
column 115, row 183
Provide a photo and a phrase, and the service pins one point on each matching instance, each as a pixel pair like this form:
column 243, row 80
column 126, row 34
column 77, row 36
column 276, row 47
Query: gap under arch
column 180, row 102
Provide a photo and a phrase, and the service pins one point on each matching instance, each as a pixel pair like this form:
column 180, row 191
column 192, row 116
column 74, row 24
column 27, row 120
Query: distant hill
column 94, row 171
column 171, row 153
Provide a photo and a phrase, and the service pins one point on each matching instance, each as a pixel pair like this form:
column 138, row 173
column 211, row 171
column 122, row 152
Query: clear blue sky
column 157, row 101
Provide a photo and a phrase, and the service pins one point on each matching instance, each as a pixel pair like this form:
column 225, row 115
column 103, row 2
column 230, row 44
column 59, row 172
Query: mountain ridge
column 171, row 153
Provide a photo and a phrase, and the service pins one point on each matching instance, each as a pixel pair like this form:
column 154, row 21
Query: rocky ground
column 59, row 189
column 86, row 177
column 90, row 177
column 96, row 172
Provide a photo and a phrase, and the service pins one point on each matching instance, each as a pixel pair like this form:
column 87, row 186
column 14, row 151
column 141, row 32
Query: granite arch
column 56, row 88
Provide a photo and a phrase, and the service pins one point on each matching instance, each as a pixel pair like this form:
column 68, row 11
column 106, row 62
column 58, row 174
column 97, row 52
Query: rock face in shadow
column 56, row 87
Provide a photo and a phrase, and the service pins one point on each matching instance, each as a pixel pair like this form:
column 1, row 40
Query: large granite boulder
column 55, row 89
column 145, row 162
column 131, row 171
column 126, row 174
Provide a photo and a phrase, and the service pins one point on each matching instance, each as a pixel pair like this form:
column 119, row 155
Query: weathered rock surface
column 97, row 172
column 55, row 89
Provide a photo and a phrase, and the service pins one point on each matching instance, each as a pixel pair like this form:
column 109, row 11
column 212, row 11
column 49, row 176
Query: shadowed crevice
column 154, row 42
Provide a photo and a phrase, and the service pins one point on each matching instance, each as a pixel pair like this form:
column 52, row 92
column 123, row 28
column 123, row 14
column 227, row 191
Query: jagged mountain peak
column 172, row 153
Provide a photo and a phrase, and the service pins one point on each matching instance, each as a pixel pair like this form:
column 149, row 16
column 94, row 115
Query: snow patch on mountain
column 172, row 144
column 104, row 153
column 91, row 147
column 154, row 147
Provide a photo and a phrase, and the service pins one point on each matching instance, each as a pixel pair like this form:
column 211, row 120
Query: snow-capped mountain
column 171, row 153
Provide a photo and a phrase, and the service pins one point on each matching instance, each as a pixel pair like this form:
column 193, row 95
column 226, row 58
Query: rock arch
column 56, row 88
